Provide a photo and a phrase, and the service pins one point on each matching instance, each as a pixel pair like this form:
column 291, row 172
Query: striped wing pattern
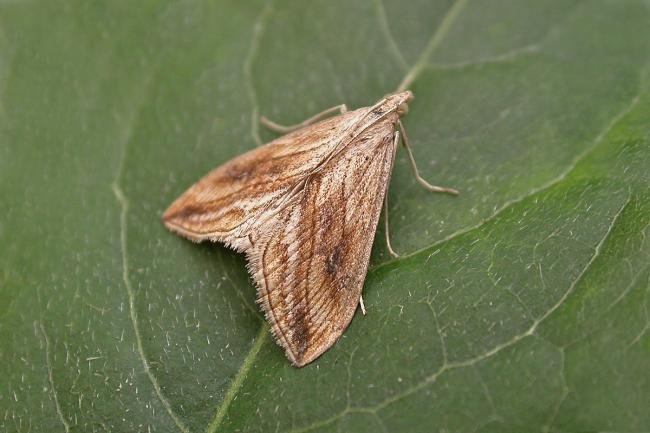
column 311, row 265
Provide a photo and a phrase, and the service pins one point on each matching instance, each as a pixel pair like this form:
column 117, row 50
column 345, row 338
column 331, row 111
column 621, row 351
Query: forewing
column 311, row 264
column 226, row 203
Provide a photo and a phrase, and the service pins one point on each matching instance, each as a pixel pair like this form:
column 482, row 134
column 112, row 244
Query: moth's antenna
column 282, row 129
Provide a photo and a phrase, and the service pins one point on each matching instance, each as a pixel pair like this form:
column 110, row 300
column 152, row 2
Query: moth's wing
column 311, row 265
column 228, row 201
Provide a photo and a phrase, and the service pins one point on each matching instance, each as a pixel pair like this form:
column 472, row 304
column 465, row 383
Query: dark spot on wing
column 333, row 261
column 300, row 335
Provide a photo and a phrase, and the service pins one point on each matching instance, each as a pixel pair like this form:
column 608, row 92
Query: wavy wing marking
column 226, row 203
column 311, row 262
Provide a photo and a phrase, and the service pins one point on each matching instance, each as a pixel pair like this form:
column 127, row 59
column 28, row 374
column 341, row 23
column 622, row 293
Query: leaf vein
column 258, row 31
column 385, row 27
column 50, row 378
column 124, row 204
column 124, row 209
column 500, row 58
column 432, row 45
column 511, row 54
column 238, row 381
column 528, row 333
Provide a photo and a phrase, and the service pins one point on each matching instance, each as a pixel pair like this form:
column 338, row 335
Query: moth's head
column 400, row 101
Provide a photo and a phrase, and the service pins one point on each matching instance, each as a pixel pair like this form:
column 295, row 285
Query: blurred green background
column 521, row 305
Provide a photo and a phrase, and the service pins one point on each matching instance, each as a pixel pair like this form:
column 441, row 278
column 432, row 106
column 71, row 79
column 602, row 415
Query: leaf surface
column 521, row 305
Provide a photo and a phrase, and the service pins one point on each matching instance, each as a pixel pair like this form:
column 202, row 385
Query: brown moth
column 304, row 209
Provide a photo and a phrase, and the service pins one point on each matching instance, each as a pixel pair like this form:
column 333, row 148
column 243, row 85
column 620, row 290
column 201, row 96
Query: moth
column 304, row 210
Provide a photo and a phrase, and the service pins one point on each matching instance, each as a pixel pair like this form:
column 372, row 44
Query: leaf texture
column 521, row 305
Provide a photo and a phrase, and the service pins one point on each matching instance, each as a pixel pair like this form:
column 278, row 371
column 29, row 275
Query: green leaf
column 521, row 305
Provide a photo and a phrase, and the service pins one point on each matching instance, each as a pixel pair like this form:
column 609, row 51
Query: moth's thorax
column 397, row 102
column 392, row 106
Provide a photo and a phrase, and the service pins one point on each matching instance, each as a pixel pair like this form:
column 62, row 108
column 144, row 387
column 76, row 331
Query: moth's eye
column 402, row 109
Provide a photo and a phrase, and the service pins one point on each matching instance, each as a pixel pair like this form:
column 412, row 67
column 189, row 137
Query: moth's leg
column 363, row 307
column 414, row 166
column 386, row 233
column 269, row 124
